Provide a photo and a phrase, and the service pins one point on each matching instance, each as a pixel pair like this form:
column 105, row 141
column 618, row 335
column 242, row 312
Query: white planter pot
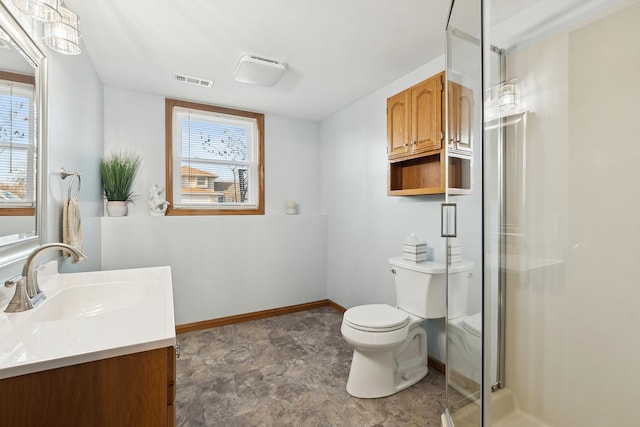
column 117, row 208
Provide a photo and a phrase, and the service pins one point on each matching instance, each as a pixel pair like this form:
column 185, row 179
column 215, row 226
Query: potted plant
column 118, row 173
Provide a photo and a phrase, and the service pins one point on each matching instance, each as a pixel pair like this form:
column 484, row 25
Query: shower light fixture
column 42, row 10
column 63, row 36
column 508, row 96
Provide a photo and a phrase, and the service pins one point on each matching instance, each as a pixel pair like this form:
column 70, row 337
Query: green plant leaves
column 118, row 173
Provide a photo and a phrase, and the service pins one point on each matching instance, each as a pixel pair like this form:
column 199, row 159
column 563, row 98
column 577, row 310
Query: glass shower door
column 463, row 213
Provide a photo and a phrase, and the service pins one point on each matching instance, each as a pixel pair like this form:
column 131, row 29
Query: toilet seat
column 376, row 318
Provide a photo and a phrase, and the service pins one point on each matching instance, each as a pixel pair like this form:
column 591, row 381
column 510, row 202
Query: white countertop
column 136, row 315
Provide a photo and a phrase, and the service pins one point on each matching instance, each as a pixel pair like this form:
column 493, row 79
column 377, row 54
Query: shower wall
column 573, row 294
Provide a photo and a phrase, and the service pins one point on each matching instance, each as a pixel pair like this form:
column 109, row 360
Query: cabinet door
column 398, row 116
column 461, row 113
column 426, row 115
column 171, row 386
column 128, row 390
column 454, row 120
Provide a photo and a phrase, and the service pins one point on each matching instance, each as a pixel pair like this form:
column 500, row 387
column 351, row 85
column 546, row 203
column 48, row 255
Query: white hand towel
column 71, row 227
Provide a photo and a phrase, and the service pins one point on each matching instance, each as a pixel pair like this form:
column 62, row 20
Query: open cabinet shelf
column 459, row 175
column 422, row 175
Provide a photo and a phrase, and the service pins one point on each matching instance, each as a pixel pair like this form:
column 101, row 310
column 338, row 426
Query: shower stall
column 555, row 86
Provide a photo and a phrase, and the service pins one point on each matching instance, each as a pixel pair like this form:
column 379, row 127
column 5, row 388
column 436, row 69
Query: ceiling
column 337, row 51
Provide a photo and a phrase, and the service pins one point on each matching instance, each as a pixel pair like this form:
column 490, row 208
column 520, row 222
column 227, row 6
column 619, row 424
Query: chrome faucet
column 28, row 293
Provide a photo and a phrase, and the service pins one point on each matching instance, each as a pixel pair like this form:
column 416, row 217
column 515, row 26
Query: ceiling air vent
column 259, row 71
column 193, row 80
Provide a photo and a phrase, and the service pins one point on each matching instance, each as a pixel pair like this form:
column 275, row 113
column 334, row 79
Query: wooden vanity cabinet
column 131, row 390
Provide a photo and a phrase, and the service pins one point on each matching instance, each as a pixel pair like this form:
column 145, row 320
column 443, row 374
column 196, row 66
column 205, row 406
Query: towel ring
column 73, row 178
column 64, row 174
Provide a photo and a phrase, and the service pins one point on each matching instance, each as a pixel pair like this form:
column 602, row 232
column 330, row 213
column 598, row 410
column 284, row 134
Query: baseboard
column 437, row 365
column 263, row 314
column 336, row 306
column 464, row 382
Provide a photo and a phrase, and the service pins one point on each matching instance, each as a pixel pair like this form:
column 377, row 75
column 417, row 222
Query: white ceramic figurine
column 157, row 204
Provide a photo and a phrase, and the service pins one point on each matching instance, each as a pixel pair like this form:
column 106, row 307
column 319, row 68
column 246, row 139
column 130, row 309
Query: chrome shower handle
column 448, row 220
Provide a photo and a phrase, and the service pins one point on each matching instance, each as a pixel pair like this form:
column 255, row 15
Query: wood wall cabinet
column 414, row 119
column 415, row 137
column 132, row 390
column 415, row 134
column 460, row 145
column 460, row 119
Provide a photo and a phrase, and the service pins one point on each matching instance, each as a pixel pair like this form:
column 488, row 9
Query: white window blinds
column 215, row 161
column 17, row 144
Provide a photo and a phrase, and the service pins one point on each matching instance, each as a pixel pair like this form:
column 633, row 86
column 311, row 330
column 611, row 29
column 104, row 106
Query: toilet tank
column 421, row 287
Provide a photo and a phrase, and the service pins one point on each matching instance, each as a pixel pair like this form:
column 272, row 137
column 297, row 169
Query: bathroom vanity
column 99, row 351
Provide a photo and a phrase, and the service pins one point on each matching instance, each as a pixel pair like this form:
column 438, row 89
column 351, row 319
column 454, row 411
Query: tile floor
column 288, row 370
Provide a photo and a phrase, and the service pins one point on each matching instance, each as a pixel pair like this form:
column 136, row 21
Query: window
column 17, row 144
column 215, row 160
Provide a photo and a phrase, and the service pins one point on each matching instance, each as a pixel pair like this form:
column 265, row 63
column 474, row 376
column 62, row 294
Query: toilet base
column 383, row 373
column 464, row 351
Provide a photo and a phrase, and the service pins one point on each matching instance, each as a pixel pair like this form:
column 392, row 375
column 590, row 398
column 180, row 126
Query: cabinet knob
column 405, row 144
column 413, row 142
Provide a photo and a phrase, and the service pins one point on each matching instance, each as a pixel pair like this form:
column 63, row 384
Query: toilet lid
column 376, row 318
column 473, row 324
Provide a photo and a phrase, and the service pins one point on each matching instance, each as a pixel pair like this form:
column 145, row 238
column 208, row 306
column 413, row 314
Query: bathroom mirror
column 22, row 141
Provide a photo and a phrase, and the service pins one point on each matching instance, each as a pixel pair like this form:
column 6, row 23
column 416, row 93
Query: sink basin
column 88, row 316
column 89, row 300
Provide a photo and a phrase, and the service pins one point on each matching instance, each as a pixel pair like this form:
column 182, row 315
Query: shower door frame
column 477, row 160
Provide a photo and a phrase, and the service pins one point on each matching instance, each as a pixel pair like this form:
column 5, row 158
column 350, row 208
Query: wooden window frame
column 169, row 105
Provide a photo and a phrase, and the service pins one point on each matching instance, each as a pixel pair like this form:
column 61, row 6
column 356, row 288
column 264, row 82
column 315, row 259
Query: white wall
column 571, row 325
column 75, row 141
column 75, row 121
column 366, row 227
column 209, row 255
column 226, row 265
column 535, row 324
column 602, row 287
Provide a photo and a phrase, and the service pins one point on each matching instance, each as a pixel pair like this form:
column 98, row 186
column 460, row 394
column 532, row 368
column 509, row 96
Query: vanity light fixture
column 508, row 96
column 63, row 36
column 42, row 10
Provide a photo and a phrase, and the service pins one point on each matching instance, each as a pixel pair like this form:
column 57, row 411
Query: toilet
column 464, row 334
column 390, row 343
column 465, row 350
